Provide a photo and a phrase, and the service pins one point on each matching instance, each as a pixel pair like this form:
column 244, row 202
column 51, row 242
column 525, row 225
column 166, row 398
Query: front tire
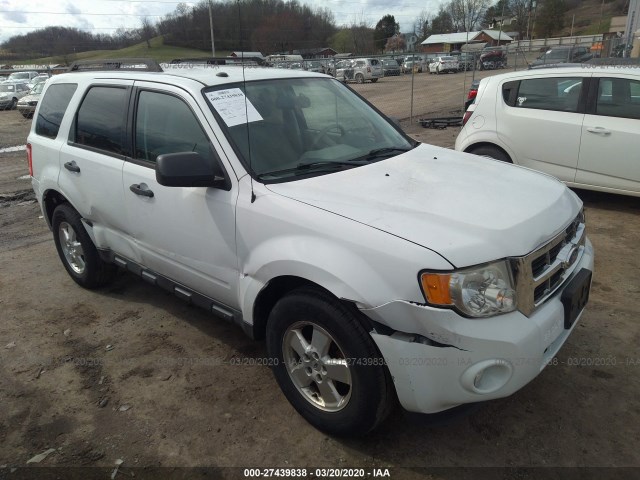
column 327, row 364
column 14, row 102
column 492, row 152
column 76, row 250
column 359, row 78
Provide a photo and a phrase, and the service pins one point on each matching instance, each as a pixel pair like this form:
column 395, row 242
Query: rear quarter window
column 53, row 107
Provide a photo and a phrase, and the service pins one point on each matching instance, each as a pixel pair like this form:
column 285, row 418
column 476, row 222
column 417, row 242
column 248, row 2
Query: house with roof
column 448, row 42
column 310, row 53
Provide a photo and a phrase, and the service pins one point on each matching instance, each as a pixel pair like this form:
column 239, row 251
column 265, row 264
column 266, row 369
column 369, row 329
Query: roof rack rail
column 220, row 60
column 111, row 64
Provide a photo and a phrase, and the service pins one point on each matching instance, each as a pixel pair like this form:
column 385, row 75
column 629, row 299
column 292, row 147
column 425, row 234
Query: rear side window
column 52, row 108
column 101, row 120
column 550, row 93
column 618, row 97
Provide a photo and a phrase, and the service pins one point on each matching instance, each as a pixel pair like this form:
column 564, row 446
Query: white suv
column 280, row 200
column 579, row 124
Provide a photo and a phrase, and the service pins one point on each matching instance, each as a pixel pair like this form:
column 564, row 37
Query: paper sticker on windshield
column 233, row 106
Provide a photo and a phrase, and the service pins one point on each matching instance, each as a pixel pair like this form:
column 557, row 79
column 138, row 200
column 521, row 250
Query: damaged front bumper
column 439, row 360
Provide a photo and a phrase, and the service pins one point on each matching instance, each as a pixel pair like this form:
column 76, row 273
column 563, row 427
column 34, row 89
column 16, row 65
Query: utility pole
column 213, row 45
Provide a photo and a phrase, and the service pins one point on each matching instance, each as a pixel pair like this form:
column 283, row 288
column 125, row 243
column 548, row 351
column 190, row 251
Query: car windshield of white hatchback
column 19, row 76
column 302, row 127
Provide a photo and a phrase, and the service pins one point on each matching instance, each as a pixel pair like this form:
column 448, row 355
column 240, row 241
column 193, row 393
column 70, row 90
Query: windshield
column 37, row 89
column 7, row 88
column 19, row 76
column 556, row 54
column 447, row 59
column 299, row 124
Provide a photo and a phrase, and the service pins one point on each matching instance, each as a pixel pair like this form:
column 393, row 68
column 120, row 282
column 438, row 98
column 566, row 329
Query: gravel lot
column 168, row 392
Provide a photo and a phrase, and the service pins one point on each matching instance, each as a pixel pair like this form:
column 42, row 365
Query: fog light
column 487, row 376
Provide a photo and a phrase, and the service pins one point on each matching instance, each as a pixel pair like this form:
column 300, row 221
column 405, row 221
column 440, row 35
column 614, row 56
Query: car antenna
column 246, row 106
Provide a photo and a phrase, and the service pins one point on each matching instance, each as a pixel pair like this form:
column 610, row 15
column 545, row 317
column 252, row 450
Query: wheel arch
column 50, row 200
column 477, row 145
column 279, row 287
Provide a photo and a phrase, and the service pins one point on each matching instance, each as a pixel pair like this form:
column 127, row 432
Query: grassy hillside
column 588, row 20
column 158, row 51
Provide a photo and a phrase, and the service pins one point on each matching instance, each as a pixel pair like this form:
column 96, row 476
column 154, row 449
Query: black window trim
column 131, row 131
column 126, row 145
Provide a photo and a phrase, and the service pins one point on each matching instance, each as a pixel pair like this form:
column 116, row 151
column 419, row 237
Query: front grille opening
column 539, row 265
column 553, row 253
column 556, row 279
column 540, row 291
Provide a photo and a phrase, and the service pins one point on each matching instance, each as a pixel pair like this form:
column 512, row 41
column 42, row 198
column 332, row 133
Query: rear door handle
column 141, row 189
column 599, row 130
column 72, row 166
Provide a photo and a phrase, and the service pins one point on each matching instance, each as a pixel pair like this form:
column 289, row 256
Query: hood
column 467, row 208
column 30, row 98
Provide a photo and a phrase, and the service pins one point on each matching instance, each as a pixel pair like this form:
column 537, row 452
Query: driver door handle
column 599, row 130
column 72, row 166
column 141, row 189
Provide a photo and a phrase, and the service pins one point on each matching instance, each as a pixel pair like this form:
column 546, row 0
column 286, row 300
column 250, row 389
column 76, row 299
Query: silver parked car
column 10, row 93
column 25, row 77
column 27, row 104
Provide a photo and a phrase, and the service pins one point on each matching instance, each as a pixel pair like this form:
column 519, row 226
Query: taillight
column 467, row 116
column 30, row 159
column 369, row 69
column 472, row 94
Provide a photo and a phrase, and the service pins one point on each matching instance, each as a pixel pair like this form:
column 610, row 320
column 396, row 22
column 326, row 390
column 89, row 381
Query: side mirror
column 190, row 169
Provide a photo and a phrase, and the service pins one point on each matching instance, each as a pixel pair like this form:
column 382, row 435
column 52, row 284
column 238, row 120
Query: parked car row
column 22, row 91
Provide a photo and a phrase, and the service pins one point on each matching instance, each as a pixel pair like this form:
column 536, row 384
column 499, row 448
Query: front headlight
column 476, row 292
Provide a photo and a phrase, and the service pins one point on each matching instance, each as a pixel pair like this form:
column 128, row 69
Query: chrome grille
column 539, row 274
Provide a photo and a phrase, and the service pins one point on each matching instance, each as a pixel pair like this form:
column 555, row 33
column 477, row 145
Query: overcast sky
column 21, row 16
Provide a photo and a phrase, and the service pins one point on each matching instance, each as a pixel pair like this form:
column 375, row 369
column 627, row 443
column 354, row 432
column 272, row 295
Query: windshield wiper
column 385, row 152
column 314, row 166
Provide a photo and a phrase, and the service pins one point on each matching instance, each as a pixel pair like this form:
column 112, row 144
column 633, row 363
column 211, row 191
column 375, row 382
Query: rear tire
column 491, row 152
column 77, row 251
column 374, row 80
column 359, row 78
column 327, row 364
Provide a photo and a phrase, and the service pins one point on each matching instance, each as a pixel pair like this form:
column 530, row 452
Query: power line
column 82, row 13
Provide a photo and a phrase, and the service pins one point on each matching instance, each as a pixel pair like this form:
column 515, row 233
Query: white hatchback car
column 579, row 124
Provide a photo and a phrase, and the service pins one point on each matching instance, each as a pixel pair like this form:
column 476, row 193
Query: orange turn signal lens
column 436, row 288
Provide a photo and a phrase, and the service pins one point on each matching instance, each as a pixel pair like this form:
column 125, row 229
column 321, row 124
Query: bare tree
column 147, row 29
column 520, row 11
column 421, row 25
column 466, row 14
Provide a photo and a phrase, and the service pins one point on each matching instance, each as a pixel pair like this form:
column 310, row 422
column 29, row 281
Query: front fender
column 278, row 236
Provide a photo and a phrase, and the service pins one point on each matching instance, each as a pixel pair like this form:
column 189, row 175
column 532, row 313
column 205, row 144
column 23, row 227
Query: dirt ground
column 131, row 373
